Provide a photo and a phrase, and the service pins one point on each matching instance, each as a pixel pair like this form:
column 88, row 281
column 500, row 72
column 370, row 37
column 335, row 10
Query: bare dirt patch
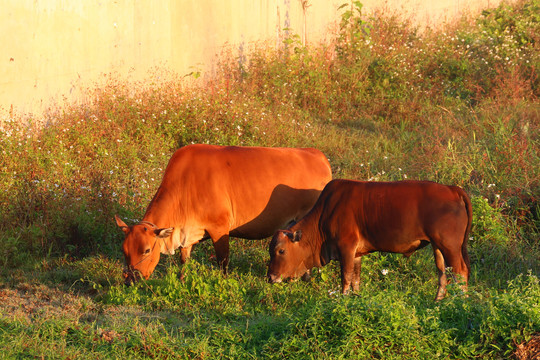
column 529, row 350
column 29, row 303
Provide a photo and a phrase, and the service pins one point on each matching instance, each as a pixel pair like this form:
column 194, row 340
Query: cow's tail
column 468, row 208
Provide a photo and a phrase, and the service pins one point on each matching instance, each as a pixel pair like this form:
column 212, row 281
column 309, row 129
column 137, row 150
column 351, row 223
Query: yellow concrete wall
column 51, row 50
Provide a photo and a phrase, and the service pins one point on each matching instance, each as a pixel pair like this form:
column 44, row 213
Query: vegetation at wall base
column 384, row 100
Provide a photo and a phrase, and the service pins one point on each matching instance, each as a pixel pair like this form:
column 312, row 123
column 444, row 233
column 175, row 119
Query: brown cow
column 216, row 192
column 355, row 218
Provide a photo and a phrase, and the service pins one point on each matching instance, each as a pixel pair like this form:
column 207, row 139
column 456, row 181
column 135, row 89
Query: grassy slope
column 384, row 102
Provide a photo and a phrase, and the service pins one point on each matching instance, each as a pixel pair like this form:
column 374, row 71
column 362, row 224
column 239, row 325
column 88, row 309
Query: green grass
column 384, row 101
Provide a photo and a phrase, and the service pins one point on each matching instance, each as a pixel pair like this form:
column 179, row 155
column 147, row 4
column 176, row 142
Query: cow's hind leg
column 441, row 269
column 449, row 246
column 453, row 258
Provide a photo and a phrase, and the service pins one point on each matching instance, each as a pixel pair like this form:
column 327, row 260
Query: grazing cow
column 355, row 218
column 216, row 192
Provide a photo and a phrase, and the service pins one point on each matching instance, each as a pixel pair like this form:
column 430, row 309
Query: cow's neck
column 164, row 211
column 157, row 218
column 311, row 241
column 161, row 219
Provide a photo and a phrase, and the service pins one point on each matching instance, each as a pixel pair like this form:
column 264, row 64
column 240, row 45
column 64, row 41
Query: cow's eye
column 281, row 251
column 147, row 251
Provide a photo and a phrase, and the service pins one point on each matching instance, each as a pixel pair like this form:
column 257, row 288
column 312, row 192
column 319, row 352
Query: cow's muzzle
column 131, row 276
column 273, row 278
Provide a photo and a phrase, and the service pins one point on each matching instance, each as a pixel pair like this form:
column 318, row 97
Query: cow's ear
column 163, row 233
column 297, row 236
column 122, row 225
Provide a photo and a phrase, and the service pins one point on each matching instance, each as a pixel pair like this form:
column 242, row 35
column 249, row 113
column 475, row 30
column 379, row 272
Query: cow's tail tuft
column 468, row 208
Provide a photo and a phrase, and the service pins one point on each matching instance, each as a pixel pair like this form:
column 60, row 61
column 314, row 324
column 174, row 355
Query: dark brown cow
column 216, row 192
column 355, row 218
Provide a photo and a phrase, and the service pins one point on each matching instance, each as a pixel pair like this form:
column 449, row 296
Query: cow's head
column 142, row 248
column 288, row 256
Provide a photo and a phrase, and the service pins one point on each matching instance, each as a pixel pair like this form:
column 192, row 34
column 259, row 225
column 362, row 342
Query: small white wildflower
column 384, row 271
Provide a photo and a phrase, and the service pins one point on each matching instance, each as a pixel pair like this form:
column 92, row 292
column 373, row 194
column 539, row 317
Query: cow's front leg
column 185, row 254
column 347, row 271
column 356, row 274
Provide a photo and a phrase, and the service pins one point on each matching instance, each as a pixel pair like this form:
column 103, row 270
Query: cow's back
column 260, row 189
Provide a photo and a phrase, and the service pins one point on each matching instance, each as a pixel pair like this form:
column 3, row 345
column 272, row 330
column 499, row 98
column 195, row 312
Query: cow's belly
column 401, row 246
column 257, row 216
column 259, row 229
